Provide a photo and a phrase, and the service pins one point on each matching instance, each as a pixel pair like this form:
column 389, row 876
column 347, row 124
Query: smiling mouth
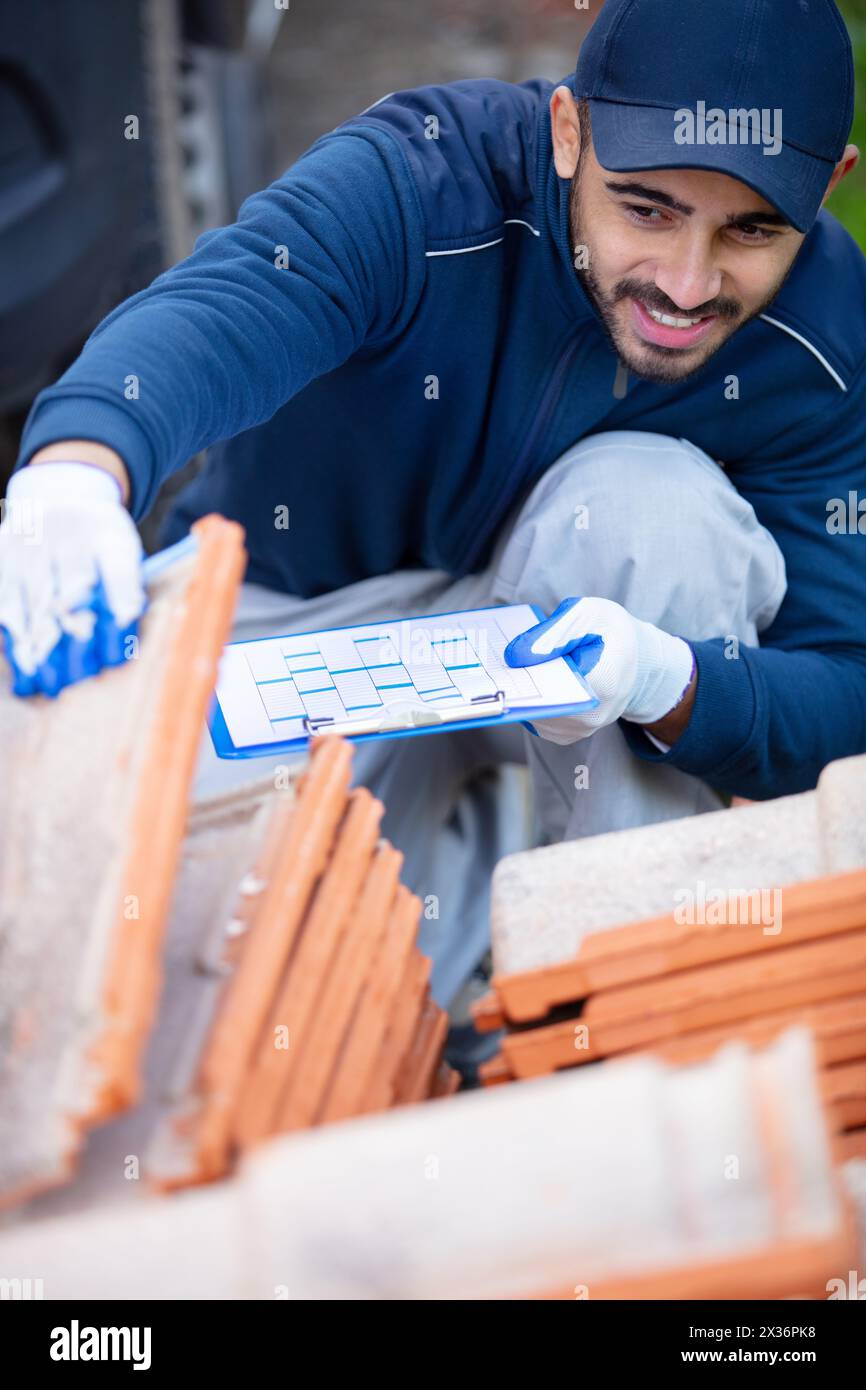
column 672, row 322
column 670, row 330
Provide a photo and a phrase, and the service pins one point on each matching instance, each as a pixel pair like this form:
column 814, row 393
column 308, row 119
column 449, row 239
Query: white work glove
column 71, row 589
column 638, row 672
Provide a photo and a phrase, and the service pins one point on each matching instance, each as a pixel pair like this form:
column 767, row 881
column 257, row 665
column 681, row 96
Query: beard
column 662, row 365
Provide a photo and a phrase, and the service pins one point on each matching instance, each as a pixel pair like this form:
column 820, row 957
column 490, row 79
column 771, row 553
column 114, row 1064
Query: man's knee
column 652, row 523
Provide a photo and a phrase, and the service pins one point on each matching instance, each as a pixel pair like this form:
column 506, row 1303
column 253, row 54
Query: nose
column 689, row 278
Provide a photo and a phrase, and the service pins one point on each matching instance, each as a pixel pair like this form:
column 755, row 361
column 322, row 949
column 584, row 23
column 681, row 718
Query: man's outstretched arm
column 321, row 262
column 317, row 264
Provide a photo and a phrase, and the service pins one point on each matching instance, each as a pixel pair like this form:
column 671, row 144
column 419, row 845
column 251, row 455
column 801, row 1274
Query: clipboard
column 398, row 678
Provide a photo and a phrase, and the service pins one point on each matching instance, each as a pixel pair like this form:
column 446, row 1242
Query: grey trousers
column 646, row 520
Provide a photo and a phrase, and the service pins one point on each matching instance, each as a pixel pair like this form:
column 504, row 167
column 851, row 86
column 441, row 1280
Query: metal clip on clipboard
column 410, row 716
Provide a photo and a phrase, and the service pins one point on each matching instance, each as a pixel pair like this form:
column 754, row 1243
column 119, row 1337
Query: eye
column 751, row 233
column 644, row 215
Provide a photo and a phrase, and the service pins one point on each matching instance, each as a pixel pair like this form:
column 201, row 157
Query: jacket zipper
column 549, row 402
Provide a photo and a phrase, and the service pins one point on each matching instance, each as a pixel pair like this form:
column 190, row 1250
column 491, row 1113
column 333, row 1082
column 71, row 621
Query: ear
column 565, row 132
column 849, row 161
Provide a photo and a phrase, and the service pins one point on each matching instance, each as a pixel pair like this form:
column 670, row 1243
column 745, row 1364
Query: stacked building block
column 634, row 1180
column 94, row 799
column 723, row 962
column 193, row 996
column 192, row 980
column 323, row 1010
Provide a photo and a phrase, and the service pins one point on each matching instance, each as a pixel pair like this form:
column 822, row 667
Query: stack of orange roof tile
column 201, row 977
column 325, row 1010
column 92, row 813
column 246, row 969
column 679, row 990
column 606, row 1182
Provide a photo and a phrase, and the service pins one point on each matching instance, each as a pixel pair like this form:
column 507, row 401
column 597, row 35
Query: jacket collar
column 552, row 195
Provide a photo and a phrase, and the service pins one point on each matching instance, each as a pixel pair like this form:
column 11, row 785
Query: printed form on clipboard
column 391, row 679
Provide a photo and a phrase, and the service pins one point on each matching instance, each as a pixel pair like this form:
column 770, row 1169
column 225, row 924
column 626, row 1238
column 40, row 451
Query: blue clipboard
column 480, row 712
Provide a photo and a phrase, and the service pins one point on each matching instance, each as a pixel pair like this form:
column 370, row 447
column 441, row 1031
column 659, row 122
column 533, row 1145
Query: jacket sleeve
column 766, row 721
column 324, row 261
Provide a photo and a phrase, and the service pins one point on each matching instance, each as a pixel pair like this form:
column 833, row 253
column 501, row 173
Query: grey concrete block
column 842, row 815
column 545, row 901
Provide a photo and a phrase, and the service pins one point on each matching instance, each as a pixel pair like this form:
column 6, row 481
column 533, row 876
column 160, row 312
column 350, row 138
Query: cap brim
column 630, row 139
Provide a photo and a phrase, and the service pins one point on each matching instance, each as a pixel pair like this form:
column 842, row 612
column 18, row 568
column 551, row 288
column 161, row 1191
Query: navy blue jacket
column 412, row 258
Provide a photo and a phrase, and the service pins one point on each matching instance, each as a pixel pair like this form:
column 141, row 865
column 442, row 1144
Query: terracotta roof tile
column 287, row 912
column 843, row 1089
column 296, row 998
column 415, row 1205
column 96, row 786
column 357, row 1063
column 417, row 1073
column 700, row 998
column 838, row 1027
column 320, row 1045
column 338, row 983
column 850, row 1145
column 288, row 915
column 249, row 994
column 680, row 990
column 403, row 1025
column 545, row 902
column 725, row 1004
column 663, row 945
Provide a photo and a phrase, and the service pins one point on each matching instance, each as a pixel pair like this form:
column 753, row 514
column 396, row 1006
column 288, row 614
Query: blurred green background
column 848, row 203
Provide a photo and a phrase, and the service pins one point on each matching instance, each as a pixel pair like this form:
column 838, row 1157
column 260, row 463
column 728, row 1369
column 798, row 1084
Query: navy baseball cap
column 762, row 90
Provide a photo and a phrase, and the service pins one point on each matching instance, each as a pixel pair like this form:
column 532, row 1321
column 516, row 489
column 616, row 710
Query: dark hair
column 585, row 119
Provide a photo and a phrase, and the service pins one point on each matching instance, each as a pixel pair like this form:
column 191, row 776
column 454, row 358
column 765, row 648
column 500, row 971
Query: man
column 524, row 343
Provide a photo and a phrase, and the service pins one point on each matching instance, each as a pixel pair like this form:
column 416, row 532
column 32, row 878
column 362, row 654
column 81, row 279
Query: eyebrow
column 760, row 217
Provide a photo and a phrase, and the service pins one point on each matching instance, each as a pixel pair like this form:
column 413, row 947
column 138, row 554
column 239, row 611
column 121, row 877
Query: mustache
column 723, row 307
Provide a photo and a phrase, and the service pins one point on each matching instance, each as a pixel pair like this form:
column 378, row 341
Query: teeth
column 670, row 322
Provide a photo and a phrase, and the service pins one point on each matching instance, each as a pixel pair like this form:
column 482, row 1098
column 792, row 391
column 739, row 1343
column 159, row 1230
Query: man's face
column 677, row 260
